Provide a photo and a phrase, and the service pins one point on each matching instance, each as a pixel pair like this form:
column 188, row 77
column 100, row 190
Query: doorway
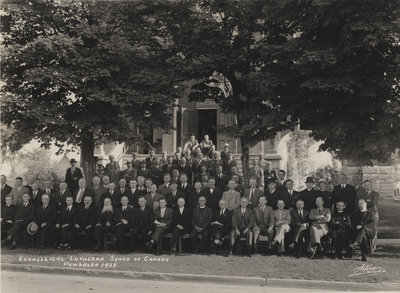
column 207, row 122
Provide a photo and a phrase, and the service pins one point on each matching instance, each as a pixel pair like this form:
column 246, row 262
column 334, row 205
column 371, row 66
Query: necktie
column 122, row 190
column 280, row 214
column 44, row 207
column 243, row 211
column 320, row 211
column 222, row 212
column 142, row 209
column 69, row 208
column 251, row 193
column 301, row 215
column 184, row 186
column 291, row 192
column 25, row 204
column 124, row 208
column 162, row 213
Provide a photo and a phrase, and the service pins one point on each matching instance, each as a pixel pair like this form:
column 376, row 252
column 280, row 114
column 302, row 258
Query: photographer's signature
column 367, row 269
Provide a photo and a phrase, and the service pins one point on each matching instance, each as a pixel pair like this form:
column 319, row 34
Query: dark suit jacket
column 225, row 219
column 115, row 198
column 265, row 218
column 255, row 198
column 239, row 222
column 8, row 212
column 290, row 200
column 134, row 197
column 143, row 220
column 187, row 170
column 202, row 217
column 221, row 182
column 98, row 195
column 69, row 178
column 272, row 198
column 86, row 192
column 184, row 219
column 193, row 199
column 127, row 214
column 37, row 200
column 26, row 214
column 67, row 217
column 4, row 191
column 348, row 195
column 368, row 221
column 167, row 219
column 59, row 199
column 156, row 175
column 189, row 188
column 172, row 201
column 85, row 217
column 371, row 198
column 296, row 221
column 104, row 217
column 47, row 215
column 309, row 196
column 212, row 199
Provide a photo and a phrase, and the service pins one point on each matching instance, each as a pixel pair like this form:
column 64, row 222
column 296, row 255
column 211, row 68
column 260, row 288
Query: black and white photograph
column 200, row 146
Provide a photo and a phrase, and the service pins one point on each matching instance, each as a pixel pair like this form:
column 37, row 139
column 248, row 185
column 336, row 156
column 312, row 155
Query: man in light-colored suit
column 153, row 198
column 282, row 222
column 253, row 193
column 320, row 218
column 231, row 196
column 17, row 191
column 264, row 220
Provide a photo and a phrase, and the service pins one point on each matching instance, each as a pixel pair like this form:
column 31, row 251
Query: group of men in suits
column 165, row 197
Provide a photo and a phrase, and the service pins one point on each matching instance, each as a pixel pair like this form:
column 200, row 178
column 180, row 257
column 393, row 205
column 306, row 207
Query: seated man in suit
column 24, row 215
column 202, row 217
column 300, row 228
column 282, row 221
column 242, row 225
column 340, row 224
column 309, row 194
column 68, row 214
column 123, row 223
column 264, row 221
column 7, row 214
column 231, row 196
column 122, row 190
column 221, row 224
column 142, row 224
column 363, row 225
column 320, row 218
column 272, row 194
column 162, row 224
column 181, row 222
column 45, row 218
column 289, row 195
column 85, row 220
column 253, row 193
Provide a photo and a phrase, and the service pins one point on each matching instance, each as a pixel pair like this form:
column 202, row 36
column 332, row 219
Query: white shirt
column 181, row 210
column 162, row 212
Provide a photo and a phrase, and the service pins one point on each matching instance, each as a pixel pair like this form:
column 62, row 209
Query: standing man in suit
column 155, row 172
column 282, row 221
column 289, row 196
column 122, row 190
column 202, row 217
column 231, row 197
column 242, row 225
column 150, row 159
column 272, row 194
column 212, row 194
column 45, row 218
column 238, row 186
column 162, row 224
column 61, row 196
column 7, row 214
column 105, row 181
column 299, row 225
column 164, row 189
column 320, row 218
column 221, row 224
column 225, row 155
column 264, row 221
column 66, row 222
column 309, row 194
column 221, row 180
column 173, row 196
column 5, row 189
column 153, row 198
column 370, row 196
column 18, row 191
column 98, row 191
column 113, row 170
column 341, row 224
column 72, row 176
column 48, row 189
column 344, row 192
column 85, row 220
column 324, row 193
column 184, row 168
column 253, row 193
column 123, row 223
column 24, row 215
column 82, row 191
column 112, row 194
column 181, row 223
column 135, row 162
column 194, row 195
column 184, row 186
column 129, row 173
column 134, row 194
column 281, row 181
column 36, row 195
column 143, row 222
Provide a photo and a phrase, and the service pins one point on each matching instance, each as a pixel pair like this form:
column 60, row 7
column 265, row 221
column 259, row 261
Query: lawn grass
column 387, row 257
column 389, row 219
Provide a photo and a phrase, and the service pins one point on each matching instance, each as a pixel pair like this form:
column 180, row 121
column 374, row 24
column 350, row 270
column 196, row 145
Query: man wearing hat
column 309, row 194
column 72, row 176
column 24, row 215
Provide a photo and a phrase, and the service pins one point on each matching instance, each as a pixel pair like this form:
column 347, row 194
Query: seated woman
column 363, row 225
column 207, row 147
column 105, row 222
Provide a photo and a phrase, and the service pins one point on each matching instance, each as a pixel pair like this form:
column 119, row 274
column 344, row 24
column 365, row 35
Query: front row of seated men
column 298, row 230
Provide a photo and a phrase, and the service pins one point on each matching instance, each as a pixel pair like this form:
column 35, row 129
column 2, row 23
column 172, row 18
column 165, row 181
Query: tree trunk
column 245, row 161
column 87, row 156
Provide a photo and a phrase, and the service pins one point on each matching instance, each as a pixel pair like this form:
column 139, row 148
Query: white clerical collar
column 202, row 207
